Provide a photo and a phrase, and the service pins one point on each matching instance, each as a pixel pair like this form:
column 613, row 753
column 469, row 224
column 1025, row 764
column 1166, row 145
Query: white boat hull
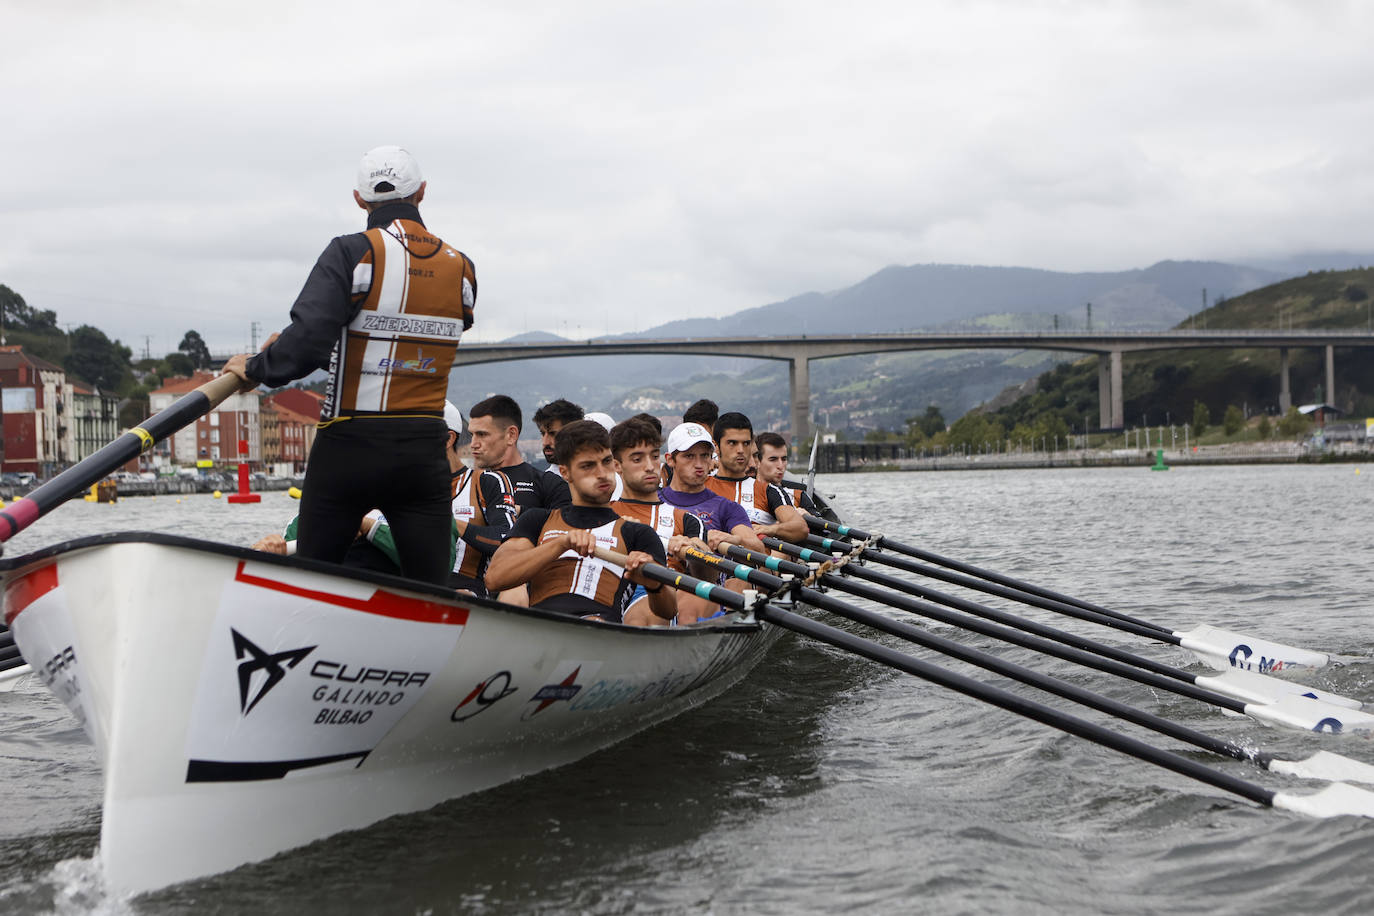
column 245, row 705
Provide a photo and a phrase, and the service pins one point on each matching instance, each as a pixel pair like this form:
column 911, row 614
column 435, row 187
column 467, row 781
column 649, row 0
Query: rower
column 772, row 449
column 689, row 457
column 484, row 510
column 635, row 445
column 551, row 550
column 549, row 419
column 769, row 509
column 495, row 424
column 608, row 424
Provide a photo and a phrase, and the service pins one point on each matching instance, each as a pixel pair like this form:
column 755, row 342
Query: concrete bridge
column 799, row 351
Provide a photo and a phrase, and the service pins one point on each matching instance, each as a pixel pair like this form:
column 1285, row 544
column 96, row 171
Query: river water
column 825, row 783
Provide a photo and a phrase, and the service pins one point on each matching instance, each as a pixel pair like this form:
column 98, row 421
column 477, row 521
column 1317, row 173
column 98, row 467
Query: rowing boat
column 243, row 704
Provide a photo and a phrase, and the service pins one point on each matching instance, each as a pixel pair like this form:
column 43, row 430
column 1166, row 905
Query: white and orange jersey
column 758, row 499
column 664, row 519
column 417, row 296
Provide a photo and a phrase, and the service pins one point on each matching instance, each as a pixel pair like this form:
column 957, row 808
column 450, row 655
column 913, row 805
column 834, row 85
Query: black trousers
column 397, row 466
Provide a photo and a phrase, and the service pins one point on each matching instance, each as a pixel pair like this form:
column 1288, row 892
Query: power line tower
column 253, row 330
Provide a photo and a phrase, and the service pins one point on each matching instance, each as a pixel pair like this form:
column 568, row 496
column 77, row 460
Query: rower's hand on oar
column 238, row 366
column 581, row 541
column 634, row 562
column 679, row 544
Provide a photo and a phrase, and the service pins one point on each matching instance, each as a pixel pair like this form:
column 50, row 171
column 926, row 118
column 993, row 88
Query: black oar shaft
column 1002, row 617
column 79, row 477
column 1013, row 703
column 847, row 531
column 932, row 572
column 1047, row 647
column 9, row 651
column 1023, row 675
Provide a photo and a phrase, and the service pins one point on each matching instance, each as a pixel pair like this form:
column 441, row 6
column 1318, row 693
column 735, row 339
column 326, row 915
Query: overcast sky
column 609, row 165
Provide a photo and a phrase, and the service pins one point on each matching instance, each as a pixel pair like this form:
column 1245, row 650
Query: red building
column 37, row 400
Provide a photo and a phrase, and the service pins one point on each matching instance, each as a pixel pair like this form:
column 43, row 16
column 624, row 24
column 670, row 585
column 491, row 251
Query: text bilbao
column 416, row 296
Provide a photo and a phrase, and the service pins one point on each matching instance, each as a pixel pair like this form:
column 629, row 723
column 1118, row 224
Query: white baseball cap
column 391, row 167
column 603, row 418
column 686, row 435
column 454, row 418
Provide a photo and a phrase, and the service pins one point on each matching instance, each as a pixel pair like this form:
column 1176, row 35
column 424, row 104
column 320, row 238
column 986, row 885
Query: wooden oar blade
column 1225, row 649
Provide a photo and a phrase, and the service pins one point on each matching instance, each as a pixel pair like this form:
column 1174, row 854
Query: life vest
column 395, row 355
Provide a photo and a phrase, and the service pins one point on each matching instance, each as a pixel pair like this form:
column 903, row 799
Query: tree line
column 88, row 355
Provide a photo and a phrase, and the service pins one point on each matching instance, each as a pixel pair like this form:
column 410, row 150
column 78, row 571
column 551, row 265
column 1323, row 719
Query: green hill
column 1163, row 386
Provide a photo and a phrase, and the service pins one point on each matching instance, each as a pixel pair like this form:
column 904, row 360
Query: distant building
column 94, row 419
column 295, row 431
column 36, row 402
column 215, row 436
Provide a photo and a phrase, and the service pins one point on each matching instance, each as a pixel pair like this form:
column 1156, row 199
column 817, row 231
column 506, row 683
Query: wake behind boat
column 243, row 704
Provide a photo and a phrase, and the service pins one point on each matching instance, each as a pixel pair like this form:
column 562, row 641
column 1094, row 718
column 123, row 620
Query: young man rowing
column 689, row 458
column 552, row 550
column 635, row 445
column 773, row 469
column 484, row 510
column 769, row 509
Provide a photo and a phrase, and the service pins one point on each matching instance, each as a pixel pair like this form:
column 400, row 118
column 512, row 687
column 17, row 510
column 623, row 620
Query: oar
column 1245, row 686
column 1348, row 768
column 79, row 477
column 1216, row 646
column 1334, row 800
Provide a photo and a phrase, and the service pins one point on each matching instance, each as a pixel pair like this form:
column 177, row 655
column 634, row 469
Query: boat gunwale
column 12, row 565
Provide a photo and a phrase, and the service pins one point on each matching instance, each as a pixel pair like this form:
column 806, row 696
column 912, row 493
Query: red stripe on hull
column 27, row 589
column 385, row 604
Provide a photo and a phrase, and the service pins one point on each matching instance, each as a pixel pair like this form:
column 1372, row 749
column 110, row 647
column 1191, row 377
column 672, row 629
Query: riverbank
column 1207, row 455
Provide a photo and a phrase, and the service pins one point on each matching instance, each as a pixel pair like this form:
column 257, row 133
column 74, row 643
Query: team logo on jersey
column 423, row 364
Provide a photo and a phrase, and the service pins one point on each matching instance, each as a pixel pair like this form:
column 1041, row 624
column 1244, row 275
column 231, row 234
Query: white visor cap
column 393, row 169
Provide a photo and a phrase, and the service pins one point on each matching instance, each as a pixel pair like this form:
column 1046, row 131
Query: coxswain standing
column 552, row 550
column 383, row 311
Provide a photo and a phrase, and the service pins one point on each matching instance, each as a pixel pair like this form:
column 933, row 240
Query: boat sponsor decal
column 563, row 685
column 486, row 694
column 258, row 660
column 611, row 693
column 295, row 677
column 47, row 636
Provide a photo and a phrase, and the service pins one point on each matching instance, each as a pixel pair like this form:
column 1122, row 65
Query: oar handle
column 660, row 573
column 79, row 477
column 738, row 570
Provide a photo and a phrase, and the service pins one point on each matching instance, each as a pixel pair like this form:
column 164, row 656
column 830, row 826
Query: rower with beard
column 551, row 550
column 769, row 509
column 549, row 419
column 484, row 510
column 635, row 445
column 772, row 449
column 495, row 424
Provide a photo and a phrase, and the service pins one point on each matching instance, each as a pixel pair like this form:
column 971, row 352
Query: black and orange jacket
column 383, row 311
